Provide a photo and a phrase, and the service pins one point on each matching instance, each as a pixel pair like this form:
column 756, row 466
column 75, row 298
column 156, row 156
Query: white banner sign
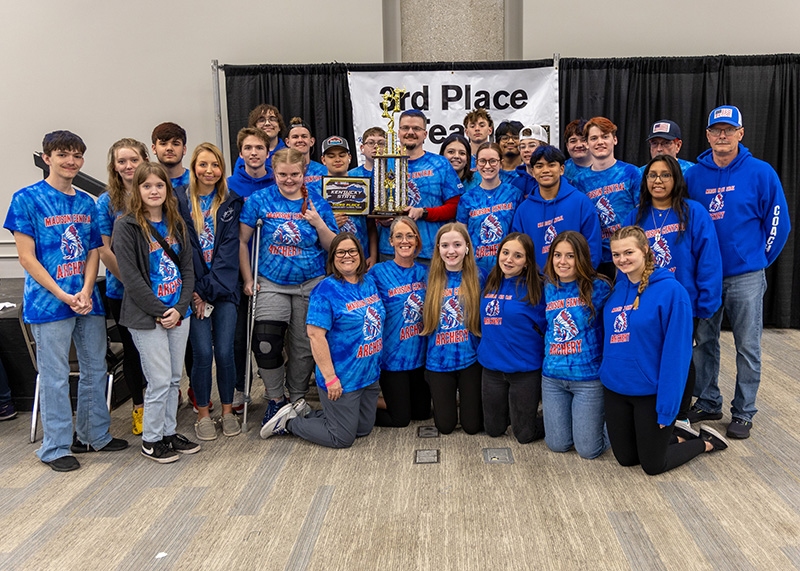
column 529, row 96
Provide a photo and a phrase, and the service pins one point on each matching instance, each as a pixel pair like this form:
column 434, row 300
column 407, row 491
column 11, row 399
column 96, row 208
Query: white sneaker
column 683, row 428
column 301, row 407
column 277, row 424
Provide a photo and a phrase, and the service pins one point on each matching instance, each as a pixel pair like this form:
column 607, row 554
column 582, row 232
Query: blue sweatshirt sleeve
column 674, row 364
column 708, row 263
column 775, row 218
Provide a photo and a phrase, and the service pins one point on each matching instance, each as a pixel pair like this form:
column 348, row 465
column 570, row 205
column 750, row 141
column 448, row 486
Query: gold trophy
column 390, row 177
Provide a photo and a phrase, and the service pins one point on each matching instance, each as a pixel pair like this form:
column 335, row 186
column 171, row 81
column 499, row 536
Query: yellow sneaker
column 137, row 420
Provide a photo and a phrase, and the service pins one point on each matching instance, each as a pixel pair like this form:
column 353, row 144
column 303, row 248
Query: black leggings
column 637, row 439
column 445, row 408
column 131, row 364
column 407, row 398
column 513, row 398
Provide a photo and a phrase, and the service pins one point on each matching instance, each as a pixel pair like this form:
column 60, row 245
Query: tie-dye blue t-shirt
column 207, row 235
column 106, row 219
column 315, row 172
column 488, row 215
column 353, row 316
column 165, row 277
column 64, row 230
column 290, row 251
column 402, row 291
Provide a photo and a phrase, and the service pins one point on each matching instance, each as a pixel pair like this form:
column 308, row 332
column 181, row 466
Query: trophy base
column 386, row 214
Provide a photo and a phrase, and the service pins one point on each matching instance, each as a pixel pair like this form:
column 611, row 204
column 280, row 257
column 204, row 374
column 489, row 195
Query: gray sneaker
column 205, row 429
column 301, row 407
column 230, row 425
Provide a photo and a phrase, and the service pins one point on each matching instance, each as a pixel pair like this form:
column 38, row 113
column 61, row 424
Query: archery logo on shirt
column 287, row 233
column 372, row 324
column 166, row 268
column 348, row 226
column 71, row 245
column 206, row 242
column 413, row 196
column 661, row 252
column 564, row 328
column 621, row 322
column 606, row 211
column 412, row 309
column 491, row 230
column 452, row 315
column 550, row 234
column 493, row 308
column 717, row 204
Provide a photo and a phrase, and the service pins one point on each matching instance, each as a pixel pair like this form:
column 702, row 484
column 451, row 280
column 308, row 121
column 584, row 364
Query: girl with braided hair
column 298, row 230
column 647, row 346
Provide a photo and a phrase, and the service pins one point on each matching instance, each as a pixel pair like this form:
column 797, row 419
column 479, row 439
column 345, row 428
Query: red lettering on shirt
column 420, row 174
column 362, row 302
column 369, row 349
column 549, row 222
column 287, row 251
column 168, row 288
column 620, row 338
column 69, row 269
column 492, row 320
column 448, row 337
column 484, row 251
column 410, row 331
column 568, row 348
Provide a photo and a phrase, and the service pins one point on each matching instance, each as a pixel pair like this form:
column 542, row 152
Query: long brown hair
column 644, row 245
column 678, row 197
column 585, row 273
column 175, row 225
column 118, row 196
column 470, row 290
column 292, row 157
column 194, row 189
column 529, row 277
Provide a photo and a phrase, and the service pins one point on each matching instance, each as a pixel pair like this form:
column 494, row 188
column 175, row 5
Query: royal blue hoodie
column 543, row 220
column 525, row 182
column 693, row 255
column 244, row 185
column 746, row 202
column 509, row 341
column 573, row 341
column 647, row 351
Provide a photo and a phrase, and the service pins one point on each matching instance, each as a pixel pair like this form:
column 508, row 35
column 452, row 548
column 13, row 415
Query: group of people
column 514, row 276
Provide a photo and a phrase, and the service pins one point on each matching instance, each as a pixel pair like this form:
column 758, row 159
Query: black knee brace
column 268, row 343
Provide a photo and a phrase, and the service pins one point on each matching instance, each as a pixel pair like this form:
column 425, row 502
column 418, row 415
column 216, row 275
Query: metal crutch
column 251, row 318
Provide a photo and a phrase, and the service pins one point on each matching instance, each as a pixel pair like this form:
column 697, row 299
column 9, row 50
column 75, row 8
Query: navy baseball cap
column 725, row 114
column 665, row 129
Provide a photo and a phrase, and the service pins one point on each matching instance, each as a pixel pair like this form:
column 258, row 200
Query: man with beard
column 169, row 147
column 433, row 186
column 507, row 136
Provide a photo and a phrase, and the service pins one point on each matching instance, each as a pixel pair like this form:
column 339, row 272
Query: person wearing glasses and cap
column 665, row 139
column 530, row 139
column 746, row 201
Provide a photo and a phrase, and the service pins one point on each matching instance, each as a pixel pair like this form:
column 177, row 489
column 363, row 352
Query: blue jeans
column 88, row 332
column 213, row 337
column 162, row 351
column 743, row 301
column 574, row 416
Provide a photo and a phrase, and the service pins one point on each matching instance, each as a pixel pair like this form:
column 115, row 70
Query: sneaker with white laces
column 179, row 443
column 230, row 425
column 158, row 451
column 277, row 424
column 205, row 429
column 301, row 407
column 683, row 428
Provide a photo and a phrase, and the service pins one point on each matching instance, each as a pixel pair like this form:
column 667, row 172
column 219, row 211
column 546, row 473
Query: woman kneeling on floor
column 344, row 307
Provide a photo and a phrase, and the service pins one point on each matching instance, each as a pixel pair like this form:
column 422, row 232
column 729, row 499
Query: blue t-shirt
column 488, row 215
column 315, row 172
column 105, row 220
column 182, row 180
column 432, row 182
column 165, row 277
column 509, row 176
column 207, row 235
column 402, row 291
column 64, row 229
column 354, row 224
column 353, row 316
column 452, row 346
column 571, row 171
column 573, row 341
column 614, row 192
column 290, row 250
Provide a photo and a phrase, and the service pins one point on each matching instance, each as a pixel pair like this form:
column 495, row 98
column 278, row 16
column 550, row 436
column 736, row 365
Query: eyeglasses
column 717, row 131
column 270, row 119
column 509, row 138
column 353, row 253
column 662, row 143
column 406, row 129
column 405, row 237
column 484, row 162
column 374, row 143
column 664, row 176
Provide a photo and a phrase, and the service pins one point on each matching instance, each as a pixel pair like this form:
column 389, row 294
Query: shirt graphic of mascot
column 493, row 308
column 372, row 324
column 550, row 235
column 287, row 233
column 452, row 315
column 621, row 323
column 564, row 327
column 717, row 204
column 412, row 309
column 661, row 252
column 412, row 194
column 71, row 246
column 166, row 268
column 491, row 230
column 606, row 212
column 348, row 226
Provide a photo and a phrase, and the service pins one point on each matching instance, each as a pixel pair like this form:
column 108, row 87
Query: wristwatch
column 424, row 214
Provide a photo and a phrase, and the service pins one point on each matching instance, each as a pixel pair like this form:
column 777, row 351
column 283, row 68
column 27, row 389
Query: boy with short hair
column 169, row 147
column 478, row 128
column 507, row 137
column 57, row 238
column 252, row 172
column 530, row 138
column 577, row 150
column 372, row 141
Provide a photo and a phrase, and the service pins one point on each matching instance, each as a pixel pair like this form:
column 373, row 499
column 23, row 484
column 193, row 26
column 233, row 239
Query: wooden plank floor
column 245, row 503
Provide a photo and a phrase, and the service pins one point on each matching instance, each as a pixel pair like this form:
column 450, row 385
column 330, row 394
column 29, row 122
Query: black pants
column 686, row 401
column 131, row 364
column 407, row 398
column 445, row 408
column 512, row 398
column 637, row 439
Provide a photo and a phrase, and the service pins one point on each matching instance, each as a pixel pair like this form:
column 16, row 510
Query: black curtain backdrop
column 632, row 92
